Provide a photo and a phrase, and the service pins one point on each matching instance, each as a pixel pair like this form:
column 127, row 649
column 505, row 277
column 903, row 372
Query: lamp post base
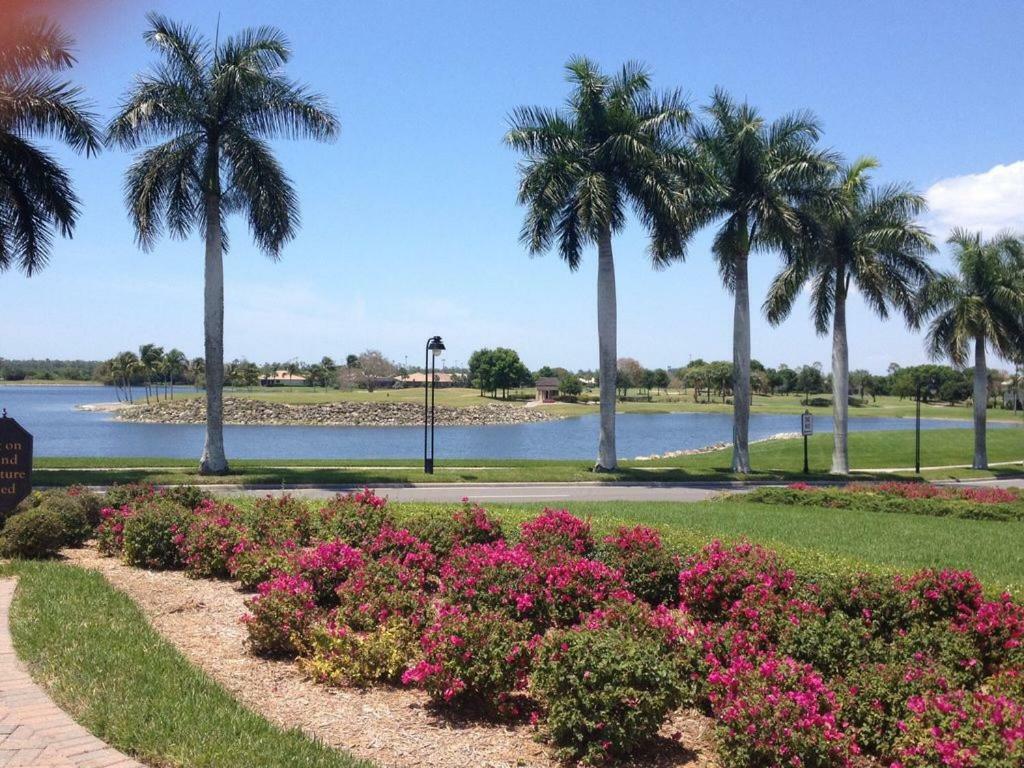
column 428, row 466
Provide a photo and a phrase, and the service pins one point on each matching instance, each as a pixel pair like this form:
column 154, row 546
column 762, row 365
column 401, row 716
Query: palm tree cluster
column 153, row 370
column 765, row 187
column 202, row 120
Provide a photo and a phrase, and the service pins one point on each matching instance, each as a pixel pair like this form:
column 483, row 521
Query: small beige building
column 283, row 378
column 547, row 389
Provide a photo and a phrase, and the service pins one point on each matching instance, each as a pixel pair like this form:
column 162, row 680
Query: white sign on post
column 806, row 424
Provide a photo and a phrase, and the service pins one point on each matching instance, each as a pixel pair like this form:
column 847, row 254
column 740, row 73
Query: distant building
column 282, row 379
column 547, row 389
column 419, row 379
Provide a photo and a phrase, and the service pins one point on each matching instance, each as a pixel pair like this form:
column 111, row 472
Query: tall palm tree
column 175, row 363
column 861, row 237
column 616, row 145
column 981, row 305
column 761, row 174
column 150, row 358
column 215, row 106
column 36, row 196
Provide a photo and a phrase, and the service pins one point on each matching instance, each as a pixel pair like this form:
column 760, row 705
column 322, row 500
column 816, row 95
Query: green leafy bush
column 152, row 534
column 280, row 616
column 34, row 533
column 605, row 692
column 337, row 655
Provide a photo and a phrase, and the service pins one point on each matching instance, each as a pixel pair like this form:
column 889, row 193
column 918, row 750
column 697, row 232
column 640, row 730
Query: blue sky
column 410, row 225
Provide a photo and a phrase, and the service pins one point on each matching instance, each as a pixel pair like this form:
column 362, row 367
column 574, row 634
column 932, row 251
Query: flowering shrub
column 335, row 654
column 251, row 564
column 278, row 521
column 832, row 643
column 279, row 615
column 715, row 578
column 902, row 498
column 940, row 595
column 150, row 533
column 473, row 660
column 469, row 524
column 574, row 587
column 874, row 697
column 110, row 531
column 489, row 577
column 326, row 566
column 961, row 729
column 776, row 711
column 555, row 532
column 997, row 628
column 355, row 518
column 393, row 584
column 650, row 571
column 210, row 540
column 605, row 692
column 130, row 493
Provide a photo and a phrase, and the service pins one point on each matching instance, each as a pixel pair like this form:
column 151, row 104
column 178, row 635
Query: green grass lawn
column 817, row 539
column 782, row 459
column 94, row 651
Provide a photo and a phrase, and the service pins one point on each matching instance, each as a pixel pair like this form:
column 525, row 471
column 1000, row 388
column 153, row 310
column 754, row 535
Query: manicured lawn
column 824, row 540
column 781, row 459
column 93, row 650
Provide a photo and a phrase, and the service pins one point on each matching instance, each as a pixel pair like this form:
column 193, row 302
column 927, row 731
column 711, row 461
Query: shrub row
column 598, row 641
column 1005, row 504
column 46, row 522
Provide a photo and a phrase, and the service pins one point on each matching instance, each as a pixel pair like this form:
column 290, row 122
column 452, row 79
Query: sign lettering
column 15, row 464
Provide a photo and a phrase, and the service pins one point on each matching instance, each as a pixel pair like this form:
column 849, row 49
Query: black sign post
column 15, row 464
column 806, row 429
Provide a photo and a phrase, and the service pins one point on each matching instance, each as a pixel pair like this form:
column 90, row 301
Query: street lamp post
column 435, row 345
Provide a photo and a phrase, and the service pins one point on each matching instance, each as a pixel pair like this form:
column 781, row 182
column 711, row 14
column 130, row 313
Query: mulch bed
column 393, row 727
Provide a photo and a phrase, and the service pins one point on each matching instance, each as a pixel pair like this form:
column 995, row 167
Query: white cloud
column 989, row 201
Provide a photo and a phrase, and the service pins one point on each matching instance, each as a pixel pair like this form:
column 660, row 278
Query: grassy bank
column 782, row 459
column 94, row 651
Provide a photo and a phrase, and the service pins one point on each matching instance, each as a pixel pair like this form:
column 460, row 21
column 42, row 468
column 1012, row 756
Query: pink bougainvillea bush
column 598, row 638
column 903, row 498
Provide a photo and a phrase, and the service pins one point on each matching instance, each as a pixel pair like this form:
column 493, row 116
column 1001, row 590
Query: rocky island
column 249, row 412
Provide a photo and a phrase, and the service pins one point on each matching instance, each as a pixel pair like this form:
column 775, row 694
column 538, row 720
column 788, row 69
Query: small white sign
column 807, row 424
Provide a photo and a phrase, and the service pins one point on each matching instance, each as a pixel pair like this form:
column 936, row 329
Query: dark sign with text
column 15, row 464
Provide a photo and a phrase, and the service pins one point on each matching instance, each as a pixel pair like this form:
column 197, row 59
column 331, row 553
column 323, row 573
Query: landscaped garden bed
column 603, row 646
column 907, row 498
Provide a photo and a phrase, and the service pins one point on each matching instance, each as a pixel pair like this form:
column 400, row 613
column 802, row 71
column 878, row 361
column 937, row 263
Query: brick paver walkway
column 33, row 730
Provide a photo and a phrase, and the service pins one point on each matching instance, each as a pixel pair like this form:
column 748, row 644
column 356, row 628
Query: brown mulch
column 393, row 727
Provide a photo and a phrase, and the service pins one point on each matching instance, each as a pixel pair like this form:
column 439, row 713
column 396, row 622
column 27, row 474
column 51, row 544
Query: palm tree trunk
column 840, row 381
column 980, row 404
column 607, row 351
column 213, row 461
column 741, row 369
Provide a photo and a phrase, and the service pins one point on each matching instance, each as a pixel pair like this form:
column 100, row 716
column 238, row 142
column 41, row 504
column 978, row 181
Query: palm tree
column 150, row 358
column 858, row 237
column 981, row 305
column 761, row 173
column 216, row 106
column 197, row 367
column 36, row 196
column 123, row 368
column 175, row 364
column 617, row 144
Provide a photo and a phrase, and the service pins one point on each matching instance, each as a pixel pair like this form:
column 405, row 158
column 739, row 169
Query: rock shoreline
column 251, row 412
column 715, row 447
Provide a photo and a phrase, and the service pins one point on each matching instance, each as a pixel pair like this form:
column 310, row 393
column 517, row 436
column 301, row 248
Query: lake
column 60, row 430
